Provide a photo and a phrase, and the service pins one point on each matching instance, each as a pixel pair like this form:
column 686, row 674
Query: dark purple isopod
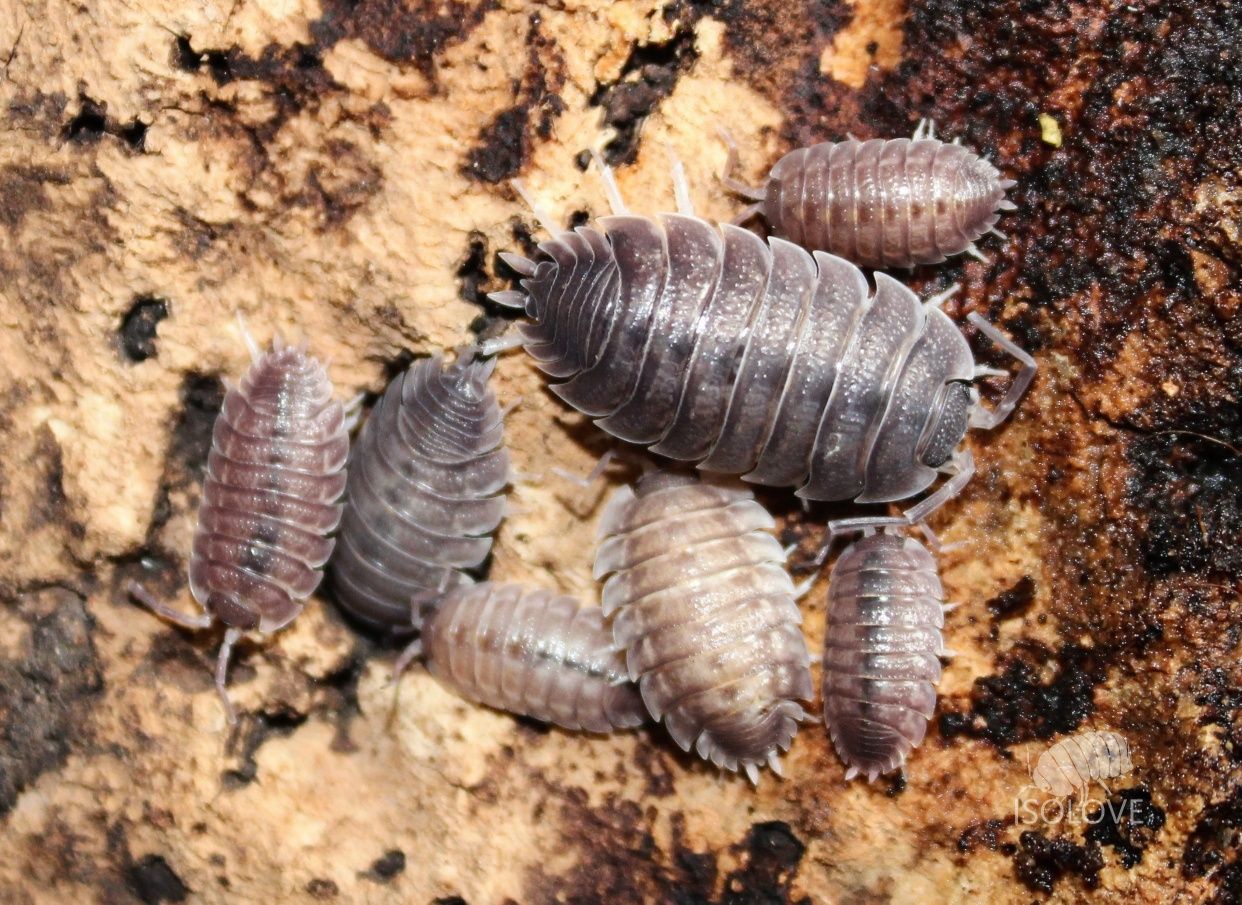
column 755, row 358
column 894, row 203
column 274, row 474
column 531, row 652
column 424, row 494
column 882, row 645
column 701, row 602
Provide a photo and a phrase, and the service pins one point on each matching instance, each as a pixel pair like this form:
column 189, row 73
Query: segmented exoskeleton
column 882, row 644
column 530, row 652
column 274, row 475
column 424, row 494
column 1074, row 763
column 894, row 203
column 755, row 358
column 702, row 604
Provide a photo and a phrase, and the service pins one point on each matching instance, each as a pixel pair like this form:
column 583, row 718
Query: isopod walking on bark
column 894, row 203
column 529, row 652
column 1073, row 763
column 425, row 492
column 274, row 475
column 882, row 644
column 755, row 358
column 702, row 605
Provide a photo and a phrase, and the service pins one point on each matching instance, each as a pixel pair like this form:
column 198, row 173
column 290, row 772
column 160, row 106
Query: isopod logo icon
column 1067, row 769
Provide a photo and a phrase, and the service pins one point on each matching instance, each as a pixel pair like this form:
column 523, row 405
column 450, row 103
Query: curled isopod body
column 531, row 652
column 702, row 604
column 756, row 358
column 894, row 203
column 882, row 644
column 274, row 475
column 424, row 494
column 1074, row 763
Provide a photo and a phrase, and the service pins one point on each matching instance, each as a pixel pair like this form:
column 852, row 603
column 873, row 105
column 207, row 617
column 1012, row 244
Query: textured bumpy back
column 894, row 203
column 753, row 359
column 274, row 473
column 881, row 647
column 424, row 494
column 534, row 653
column 705, row 610
column 1073, row 763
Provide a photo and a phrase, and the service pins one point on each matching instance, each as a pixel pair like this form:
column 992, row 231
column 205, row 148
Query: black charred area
column 137, row 332
column 1041, row 862
column 401, row 31
column 387, row 866
column 46, row 693
column 153, row 881
column 505, row 142
column 648, row 76
column 91, row 123
column 254, row 732
column 1126, row 823
column 1214, row 848
column 1220, row 698
column 1022, row 702
column 1013, row 602
column 1187, row 484
column 772, row 857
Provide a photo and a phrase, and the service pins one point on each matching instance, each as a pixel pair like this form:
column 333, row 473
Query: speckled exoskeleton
column 755, row 358
column 425, row 492
column 878, row 203
column 882, row 644
column 704, row 609
column 531, row 652
column 274, row 475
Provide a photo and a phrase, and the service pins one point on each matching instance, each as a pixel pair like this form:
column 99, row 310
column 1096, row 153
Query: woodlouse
column 702, row 604
column 274, row 475
column 530, row 652
column 878, row 203
column 752, row 358
column 1074, row 763
column 882, row 645
column 424, row 493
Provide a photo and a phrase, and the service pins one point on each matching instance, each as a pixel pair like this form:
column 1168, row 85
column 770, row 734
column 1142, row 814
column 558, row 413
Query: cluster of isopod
column 770, row 359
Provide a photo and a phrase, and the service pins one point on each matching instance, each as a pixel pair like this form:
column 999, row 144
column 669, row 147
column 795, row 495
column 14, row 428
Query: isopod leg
column 753, row 210
column 164, row 611
column 592, row 476
column 681, row 185
column 412, row 652
column 731, row 163
column 981, row 417
column 940, row 298
column 222, row 671
column 864, row 523
column 255, row 352
column 610, row 185
column 963, row 464
column 545, row 220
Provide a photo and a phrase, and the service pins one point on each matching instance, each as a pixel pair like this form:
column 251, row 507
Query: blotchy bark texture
column 337, row 169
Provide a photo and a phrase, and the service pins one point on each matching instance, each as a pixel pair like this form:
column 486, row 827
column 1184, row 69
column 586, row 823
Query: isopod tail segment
column 196, row 623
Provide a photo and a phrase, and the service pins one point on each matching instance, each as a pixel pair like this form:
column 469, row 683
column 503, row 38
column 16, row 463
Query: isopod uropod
column 530, row 652
column 703, row 606
column 1074, row 763
column 894, row 203
column 882, row 644
column 755, row 358
column 424, row 494
column 274, row 475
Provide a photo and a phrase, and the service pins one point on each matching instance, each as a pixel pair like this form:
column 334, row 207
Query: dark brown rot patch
column 46, row 693
column 1041, row 862
column 322, row 889
column 1017, row 704
column 88, row 124
column 1013, row 602
column 1214, row 848
column 648, row 76
column 1126, row 822
column 505, row 142
column 137, row 333
column 772, row 857
column 387, row 866
column 152, row 880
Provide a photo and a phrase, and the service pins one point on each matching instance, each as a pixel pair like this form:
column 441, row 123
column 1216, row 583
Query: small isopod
column 755, row 358
column 882, row 645
column 704, row 609
column 530, row 652
column 424, row 494
column 894, row 203
column 1074, row 763
column 274, row 475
